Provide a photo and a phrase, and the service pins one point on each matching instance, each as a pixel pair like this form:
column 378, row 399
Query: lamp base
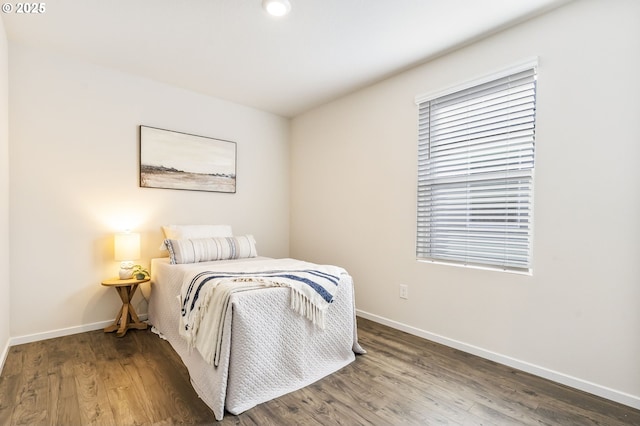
column 126, row 270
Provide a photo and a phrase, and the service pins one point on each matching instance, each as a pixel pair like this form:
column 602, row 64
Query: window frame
column 524, row 177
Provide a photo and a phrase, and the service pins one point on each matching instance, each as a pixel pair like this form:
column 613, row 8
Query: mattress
column 267, row 350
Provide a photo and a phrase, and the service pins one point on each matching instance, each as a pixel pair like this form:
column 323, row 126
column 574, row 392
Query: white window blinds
column 475, row 173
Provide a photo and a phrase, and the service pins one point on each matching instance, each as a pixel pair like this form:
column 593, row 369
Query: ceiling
column 232, row 49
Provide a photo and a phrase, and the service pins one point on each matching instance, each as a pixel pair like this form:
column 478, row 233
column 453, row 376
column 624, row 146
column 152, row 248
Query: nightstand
column 126, row 317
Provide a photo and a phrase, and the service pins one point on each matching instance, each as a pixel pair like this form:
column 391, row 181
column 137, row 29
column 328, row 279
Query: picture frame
column 176, row 160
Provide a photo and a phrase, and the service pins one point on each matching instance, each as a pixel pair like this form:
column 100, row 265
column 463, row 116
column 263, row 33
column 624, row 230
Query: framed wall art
column 175, row 160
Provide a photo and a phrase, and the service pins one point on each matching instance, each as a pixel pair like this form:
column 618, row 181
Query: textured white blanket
column 205, row 297
column 263, row 356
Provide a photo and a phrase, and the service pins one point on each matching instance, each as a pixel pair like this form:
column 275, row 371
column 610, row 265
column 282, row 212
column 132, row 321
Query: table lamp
column 126, row 250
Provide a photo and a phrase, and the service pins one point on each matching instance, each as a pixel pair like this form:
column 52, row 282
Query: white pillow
column 205, row 249
column 185, row 232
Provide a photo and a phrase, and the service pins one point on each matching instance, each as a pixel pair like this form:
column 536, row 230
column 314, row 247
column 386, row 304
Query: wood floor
column 97, row 378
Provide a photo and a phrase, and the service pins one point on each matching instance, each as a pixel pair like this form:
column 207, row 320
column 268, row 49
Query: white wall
column 74, row 181
column 4, row 196
column 577, row 318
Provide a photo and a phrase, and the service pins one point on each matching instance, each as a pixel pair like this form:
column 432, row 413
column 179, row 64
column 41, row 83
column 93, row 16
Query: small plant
column 139, row 272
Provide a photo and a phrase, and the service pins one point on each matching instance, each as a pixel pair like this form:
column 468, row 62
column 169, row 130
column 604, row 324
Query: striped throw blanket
column 205, row 298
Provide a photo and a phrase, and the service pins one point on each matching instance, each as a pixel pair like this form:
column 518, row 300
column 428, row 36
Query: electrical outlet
column 404, row 291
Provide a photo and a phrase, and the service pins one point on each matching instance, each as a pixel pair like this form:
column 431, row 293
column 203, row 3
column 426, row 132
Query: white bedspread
column 263, row 355
column 205, row 296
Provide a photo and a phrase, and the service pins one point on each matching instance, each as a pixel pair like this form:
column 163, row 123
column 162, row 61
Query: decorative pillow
column 185, row 232
column 205, row 249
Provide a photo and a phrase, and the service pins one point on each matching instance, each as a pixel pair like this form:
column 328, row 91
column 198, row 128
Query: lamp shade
column 127, row 246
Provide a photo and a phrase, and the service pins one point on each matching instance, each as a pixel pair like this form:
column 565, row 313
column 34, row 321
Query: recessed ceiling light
column 276, row 7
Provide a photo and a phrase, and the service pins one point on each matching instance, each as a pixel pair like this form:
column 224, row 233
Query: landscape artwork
column 174, row 160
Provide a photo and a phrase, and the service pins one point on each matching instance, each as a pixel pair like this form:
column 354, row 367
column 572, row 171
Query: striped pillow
column 205, row 249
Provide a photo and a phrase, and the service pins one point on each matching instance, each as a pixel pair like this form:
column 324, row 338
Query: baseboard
column 3, row 357
column 574, row 382
column 62, row 332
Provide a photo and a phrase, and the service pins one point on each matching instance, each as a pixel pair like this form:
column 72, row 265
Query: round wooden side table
column 126, row 317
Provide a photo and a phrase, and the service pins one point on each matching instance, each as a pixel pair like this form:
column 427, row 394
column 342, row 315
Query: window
column 475, row 172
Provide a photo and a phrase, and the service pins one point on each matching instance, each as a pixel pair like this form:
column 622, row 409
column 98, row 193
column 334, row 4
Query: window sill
column 526, row 272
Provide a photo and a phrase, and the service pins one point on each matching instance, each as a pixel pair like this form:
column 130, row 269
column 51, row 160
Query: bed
column 267, row 349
